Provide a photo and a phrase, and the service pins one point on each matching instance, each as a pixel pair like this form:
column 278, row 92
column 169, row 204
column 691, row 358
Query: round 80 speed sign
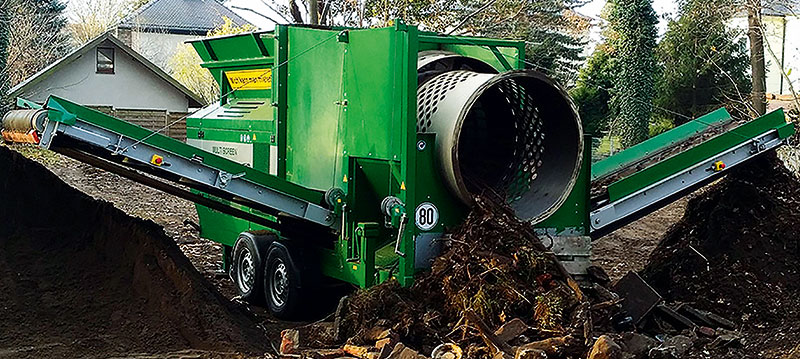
column 426, row 216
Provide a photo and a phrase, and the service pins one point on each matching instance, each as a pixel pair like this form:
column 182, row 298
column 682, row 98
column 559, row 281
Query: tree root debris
column 495, row 275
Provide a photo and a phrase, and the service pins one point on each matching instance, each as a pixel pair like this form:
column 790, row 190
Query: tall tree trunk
column 757, row 66
column 694, row 82
column 313, row 12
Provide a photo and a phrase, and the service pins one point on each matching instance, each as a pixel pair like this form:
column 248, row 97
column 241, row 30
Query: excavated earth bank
column 79, row 278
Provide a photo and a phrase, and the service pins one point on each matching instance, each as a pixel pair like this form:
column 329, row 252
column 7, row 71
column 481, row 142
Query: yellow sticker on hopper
column 258, row 79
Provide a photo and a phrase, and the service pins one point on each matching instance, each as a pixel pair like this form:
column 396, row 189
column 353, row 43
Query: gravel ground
column 628, row 248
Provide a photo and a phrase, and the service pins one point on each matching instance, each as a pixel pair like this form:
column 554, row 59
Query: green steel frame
column 343, row 117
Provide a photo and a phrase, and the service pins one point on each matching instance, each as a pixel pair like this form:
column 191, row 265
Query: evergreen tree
column 592, row 91
column 552, row 45
column 50, row 14
column 37, row 37
column 704, row 65
column 551, row 34
column 634, row 23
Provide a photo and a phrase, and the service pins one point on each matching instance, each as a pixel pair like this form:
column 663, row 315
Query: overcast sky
column 665, row 9
column 259, row 21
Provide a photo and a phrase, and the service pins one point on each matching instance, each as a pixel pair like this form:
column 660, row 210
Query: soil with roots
column 736, row 252
column 495, row 271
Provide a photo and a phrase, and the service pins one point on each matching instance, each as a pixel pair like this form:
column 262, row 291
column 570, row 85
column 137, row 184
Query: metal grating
column 434, row 91
column 528, row 140
column 528, row 135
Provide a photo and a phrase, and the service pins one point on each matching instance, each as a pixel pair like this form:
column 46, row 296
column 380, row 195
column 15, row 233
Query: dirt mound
column 747, row 227
column 497, row 270
column 79, row 278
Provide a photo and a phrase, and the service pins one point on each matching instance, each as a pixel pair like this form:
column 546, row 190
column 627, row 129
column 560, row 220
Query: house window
column 105, row 60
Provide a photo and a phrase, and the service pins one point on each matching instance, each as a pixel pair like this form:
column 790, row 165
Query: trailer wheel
column 247, row 269
column 282, row 289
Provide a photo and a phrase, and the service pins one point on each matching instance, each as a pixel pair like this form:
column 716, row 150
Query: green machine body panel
column 339, row 114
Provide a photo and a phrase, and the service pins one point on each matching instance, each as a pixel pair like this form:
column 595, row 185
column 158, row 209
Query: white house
column 157, row 28
column 108, row 75
column 781, row 43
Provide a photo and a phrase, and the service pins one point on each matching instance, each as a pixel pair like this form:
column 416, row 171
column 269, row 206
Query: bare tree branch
column 276, row 11
column 295, row 11
column 255, row 12
column 471, row 15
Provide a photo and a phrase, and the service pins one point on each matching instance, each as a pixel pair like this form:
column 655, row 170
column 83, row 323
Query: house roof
column 780, row 7
column 195, row 17
column 194, row 99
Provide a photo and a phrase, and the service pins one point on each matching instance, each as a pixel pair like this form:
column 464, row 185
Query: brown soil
column 140, row 201
column 79, row 278
column 168, row 211
column 747, row 227
column 628, row 248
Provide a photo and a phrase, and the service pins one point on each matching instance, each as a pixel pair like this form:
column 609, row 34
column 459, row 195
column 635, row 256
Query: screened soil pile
column 79, row 278
column 747, row 227
column 497, row 270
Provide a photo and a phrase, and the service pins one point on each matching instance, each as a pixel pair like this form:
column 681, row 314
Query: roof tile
column 184, row 16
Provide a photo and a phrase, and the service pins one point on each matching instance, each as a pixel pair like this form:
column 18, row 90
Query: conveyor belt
column 658, row 148
column 653, row 181
column 127, row 149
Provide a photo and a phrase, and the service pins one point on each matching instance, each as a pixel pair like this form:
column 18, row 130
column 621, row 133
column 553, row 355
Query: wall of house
column 792, row 56
column 784, row 45
column 132, row 86
column 158, row 47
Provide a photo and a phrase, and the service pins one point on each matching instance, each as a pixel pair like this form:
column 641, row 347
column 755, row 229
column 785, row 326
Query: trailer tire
column 282, row 286
column 247, row 268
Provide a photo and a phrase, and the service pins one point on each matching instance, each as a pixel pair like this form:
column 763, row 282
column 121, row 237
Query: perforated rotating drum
column 516, row 134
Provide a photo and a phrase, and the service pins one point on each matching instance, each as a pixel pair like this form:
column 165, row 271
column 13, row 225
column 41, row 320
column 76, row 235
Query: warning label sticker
column 257, row 79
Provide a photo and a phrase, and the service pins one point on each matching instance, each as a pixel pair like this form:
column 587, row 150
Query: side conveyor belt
column 124, row 148
column 648, row 189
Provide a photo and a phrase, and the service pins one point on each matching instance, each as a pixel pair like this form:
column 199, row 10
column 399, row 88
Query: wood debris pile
column 496, row 292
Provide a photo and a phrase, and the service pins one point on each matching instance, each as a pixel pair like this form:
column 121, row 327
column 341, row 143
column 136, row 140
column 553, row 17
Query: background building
column 158, row 27
column 781, row 38
column 110, row 76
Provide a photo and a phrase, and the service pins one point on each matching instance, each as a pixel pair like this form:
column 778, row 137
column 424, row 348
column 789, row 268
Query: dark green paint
column 646, row 148
column 775, row 120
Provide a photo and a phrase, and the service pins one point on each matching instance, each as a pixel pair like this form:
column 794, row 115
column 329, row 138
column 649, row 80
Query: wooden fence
column 172, row 124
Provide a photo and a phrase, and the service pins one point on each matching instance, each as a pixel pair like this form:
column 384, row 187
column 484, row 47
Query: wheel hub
column 246, row 272
column 279, row 284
